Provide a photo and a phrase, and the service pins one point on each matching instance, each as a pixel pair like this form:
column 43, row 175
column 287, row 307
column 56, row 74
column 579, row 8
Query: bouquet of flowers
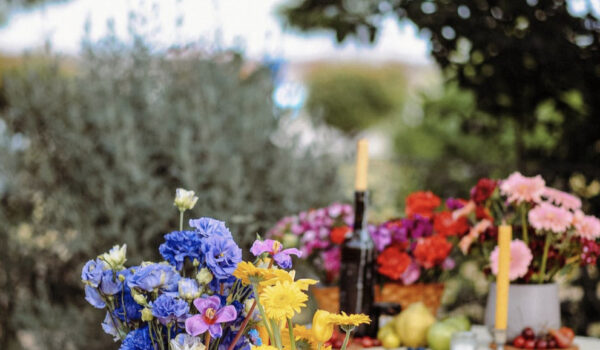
column 203, row 296
column 552, row 232
column 418, row 247
column 318, row 234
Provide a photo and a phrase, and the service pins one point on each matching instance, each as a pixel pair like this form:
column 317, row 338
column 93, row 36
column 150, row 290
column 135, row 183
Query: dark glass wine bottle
column 357, row 280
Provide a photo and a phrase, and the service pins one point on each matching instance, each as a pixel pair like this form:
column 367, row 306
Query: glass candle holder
column 463, row 341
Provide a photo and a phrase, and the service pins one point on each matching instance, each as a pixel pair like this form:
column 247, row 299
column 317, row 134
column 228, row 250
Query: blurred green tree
column 353, row 97
column 514, row 55
column 91, row 158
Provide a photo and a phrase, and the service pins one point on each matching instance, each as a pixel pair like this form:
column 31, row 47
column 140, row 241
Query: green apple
column 390, row 341
column 440, row 334
column 461, row 322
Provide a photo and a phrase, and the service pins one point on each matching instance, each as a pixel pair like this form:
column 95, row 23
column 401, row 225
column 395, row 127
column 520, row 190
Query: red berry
column 541, row 344
column 528, row 333
column 519, row 342
column 367, row 342
column 552, row 344
column 529, row 344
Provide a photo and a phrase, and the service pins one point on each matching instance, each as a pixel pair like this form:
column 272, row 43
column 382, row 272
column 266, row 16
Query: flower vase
column 529, row 305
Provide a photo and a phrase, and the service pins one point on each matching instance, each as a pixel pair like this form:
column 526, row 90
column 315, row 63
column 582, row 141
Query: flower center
column 276, row 247
column 209, row 315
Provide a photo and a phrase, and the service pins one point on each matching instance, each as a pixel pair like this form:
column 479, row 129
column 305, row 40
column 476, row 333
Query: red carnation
column 483, row 213
column 432, row 251
column 338, row 234
column 445, row 225
column 393, row 262
column 422, row 203
column 483, row 190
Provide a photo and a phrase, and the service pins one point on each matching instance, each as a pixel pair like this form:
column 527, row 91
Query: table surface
column 484, row 339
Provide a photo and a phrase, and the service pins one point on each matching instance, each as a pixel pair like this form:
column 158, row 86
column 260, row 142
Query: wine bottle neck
column 360, row 214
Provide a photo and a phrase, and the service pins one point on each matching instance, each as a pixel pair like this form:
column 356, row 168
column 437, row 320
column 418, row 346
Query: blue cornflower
column 93, row 297
column 109, row 326
column 254, row 337
column 208, row 227
column 180, row 245
column 109, row 285
column 168, row 309
column 227, row 339
column 91, row 274
column 221, row 255
column 155, row 277
column 137, row 339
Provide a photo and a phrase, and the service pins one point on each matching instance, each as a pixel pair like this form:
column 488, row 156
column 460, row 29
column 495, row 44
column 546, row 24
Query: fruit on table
column 412, row 324
column 440, row 333
column 388, row 337
column 528, row 333
column 563, row 337
column 529, row 344
column 541, row 344
column 519, row 342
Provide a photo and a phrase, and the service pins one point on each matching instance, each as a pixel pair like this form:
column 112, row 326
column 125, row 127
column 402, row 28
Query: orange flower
column 338, row 234
column 422, row 203
column 432, row 251
column 445, row 224
column 393, row 262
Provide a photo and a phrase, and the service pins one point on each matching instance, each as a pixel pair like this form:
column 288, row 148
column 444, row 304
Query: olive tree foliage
column 91, row 155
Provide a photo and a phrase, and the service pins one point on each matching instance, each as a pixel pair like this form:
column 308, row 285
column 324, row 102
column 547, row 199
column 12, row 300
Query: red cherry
column 528, row 333
column 541, row 344
column 367, row 342
column 529, row 344
column 552, row 344
column 519, row 342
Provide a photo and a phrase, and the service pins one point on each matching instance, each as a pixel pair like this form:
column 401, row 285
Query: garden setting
column 295, row 175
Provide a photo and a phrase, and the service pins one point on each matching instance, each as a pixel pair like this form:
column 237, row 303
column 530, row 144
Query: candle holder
column 500, row 338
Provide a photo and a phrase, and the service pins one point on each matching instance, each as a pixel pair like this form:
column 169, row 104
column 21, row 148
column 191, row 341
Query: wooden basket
column 328, row 298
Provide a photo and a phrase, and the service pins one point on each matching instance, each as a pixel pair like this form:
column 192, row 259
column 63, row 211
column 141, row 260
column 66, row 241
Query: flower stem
column 169, row 336
column 263, row 315
column 346, row 339
column 291, row 329
column 544, row 258
column 524, row 223
column 277, row 334
column 181, row 222
column 242, row 327
column 206, row 340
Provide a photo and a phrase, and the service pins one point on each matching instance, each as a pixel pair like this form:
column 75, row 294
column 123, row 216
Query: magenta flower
column 550, row 218
column 520, row 258
column 273, row 247
column 562, row 199
column 411, row 274
column 519, row 188
column 210, row 317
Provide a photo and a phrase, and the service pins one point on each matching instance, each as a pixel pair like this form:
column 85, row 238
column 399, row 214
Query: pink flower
column 465, row 210
column 469, row 238
column 563, row 199
column 550, row 218
column 520, row 258
column 586, row 226
column 411, row 274
column 519, row 188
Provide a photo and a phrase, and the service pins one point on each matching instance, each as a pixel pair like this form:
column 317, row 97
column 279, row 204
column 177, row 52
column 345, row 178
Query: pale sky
column 250, row 24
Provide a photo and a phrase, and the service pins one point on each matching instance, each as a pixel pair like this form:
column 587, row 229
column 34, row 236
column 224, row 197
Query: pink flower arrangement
column 520, row 258
column 552, row 232
column 519, row 188
column 550, row 218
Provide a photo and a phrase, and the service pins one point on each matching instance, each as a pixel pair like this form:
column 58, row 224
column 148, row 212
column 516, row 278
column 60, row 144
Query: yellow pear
column 412, row 325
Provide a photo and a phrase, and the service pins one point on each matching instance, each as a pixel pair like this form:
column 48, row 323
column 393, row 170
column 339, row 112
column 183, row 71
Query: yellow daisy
column 301, row 332
column 349, row 320
column 282, row 300
column 285, row 276
column 246, row 270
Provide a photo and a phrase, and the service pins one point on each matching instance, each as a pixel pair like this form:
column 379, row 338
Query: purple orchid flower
column 210, row 317
column 281, row 257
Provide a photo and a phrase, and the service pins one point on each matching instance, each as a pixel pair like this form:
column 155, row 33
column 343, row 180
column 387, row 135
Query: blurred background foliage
column 92, row 151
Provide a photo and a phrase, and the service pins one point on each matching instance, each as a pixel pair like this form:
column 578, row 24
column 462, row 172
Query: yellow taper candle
column 502, row 282
column 362, row 161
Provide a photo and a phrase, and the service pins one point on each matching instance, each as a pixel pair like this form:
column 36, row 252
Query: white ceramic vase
column 529, row 305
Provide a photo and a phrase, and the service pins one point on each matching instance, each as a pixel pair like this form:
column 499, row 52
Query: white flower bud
column 204, row 276
column 184, row 200
column 115, row 257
